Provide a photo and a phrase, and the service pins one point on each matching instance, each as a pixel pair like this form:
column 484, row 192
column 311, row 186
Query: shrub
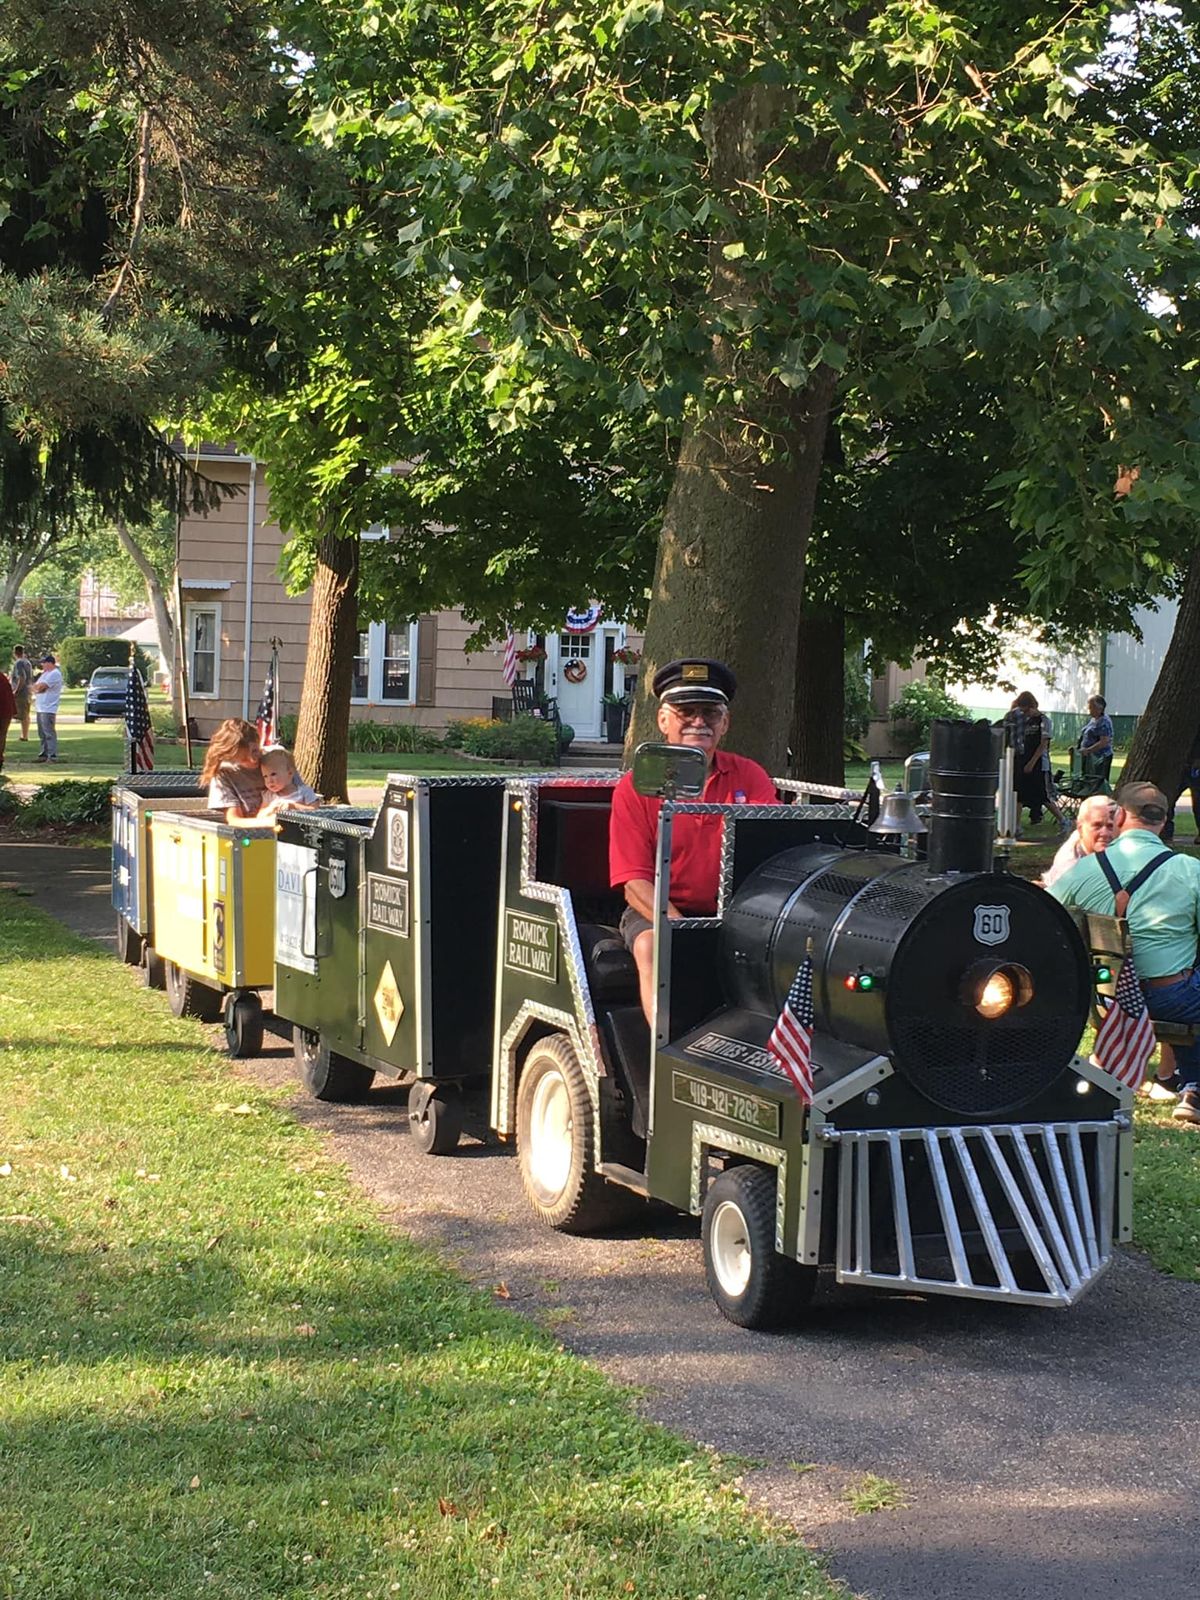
column 565, row 736
column 10, row 803
column 375, row 738
column 920, row 703
column 74, row 801
column 10, row 635
column 531, row 739
column 857, row 690
column 79, row 658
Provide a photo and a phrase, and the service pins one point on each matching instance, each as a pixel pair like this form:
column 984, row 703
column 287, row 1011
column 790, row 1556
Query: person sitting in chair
column 693, row 710
column 1158, row 893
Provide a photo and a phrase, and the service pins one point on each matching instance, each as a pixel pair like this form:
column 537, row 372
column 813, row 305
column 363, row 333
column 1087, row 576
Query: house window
column 204, row 650
column 384, row 667
column 575, row 647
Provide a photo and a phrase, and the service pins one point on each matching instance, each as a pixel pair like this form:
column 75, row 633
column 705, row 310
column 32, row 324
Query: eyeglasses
column 711, row 714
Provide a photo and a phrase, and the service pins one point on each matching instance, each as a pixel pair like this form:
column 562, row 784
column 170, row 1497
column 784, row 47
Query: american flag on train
column 791, row 1037
column 267, row 716
column 1125, row 1038
column 138, row 725
column 510, row 659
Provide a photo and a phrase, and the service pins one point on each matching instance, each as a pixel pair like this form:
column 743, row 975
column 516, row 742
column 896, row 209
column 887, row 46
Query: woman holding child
column 246, row 782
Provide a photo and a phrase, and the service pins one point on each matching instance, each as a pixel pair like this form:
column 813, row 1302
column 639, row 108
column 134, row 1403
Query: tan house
column 419, row 672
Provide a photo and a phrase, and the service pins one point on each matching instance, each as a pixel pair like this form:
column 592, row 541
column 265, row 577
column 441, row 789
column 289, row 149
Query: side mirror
column 669, row 771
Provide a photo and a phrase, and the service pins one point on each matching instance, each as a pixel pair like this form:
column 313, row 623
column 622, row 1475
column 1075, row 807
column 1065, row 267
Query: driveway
column 1041, row 1455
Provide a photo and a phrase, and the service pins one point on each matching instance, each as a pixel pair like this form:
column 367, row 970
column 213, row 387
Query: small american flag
column 1125, row 1038
column 267, row 716
column 510, row 659
column 791, row 1037
column 138, row 725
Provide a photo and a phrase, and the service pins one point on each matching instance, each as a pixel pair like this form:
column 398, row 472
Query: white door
column 580, row 675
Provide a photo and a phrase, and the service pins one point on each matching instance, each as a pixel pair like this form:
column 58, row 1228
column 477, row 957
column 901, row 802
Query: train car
column 953, row 1143
column 212, row 891
column 134, row 798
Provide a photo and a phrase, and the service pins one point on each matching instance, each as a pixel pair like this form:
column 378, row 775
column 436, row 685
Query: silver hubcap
column 551, row 1135
column 730, row 1248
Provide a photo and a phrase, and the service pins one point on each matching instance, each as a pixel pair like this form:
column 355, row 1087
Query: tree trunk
column 819, row 715
column 160, row 606
column 730, row 566
column 24, row 562
column 322, row 738
column 1169, row 722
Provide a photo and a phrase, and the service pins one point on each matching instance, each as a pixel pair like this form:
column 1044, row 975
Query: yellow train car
column 213, row 891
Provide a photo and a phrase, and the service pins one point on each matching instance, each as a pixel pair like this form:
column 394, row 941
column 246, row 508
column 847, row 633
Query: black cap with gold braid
column 695, row 681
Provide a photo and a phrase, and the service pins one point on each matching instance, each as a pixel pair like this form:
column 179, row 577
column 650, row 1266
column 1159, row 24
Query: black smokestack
column 964, row 760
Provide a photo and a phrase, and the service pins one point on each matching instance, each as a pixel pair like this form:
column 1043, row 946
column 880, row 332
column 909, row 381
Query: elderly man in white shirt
column 1093, row 832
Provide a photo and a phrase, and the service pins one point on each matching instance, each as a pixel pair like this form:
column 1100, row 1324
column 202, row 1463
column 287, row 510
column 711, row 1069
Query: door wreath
column 575, row 671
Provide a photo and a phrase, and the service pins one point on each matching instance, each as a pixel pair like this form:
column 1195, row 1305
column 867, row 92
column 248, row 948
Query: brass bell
column 897, row 814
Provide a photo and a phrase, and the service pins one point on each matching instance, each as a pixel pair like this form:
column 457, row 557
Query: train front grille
column 1020, row 1212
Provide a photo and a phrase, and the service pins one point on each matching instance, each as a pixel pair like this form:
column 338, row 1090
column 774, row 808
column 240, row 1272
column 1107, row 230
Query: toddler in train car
column 284, row 785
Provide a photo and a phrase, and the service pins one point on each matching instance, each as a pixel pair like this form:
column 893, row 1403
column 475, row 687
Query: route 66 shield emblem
column 991, row 924
column 337, row 876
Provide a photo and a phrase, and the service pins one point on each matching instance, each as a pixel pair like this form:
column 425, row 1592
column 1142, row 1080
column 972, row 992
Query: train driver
column 693, row 710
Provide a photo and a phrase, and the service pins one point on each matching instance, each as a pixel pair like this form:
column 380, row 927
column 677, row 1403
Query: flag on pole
column 791, row 1038
column 138, row 727
column 1125, row 1037
column 267, row 716
column 510, row 659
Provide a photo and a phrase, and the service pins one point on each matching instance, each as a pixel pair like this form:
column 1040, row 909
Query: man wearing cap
column 47, row 693
column 1163, row 913
column 693, row 710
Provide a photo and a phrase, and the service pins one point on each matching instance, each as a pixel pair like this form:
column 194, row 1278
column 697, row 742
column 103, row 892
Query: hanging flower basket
column 627, row 656
column 535, row 652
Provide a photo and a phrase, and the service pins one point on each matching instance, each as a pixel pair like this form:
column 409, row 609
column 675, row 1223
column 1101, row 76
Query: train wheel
column 188, row 998
column 129, row 943
column 325, row 1075
column 153, row 969
column 244, row 1025
column 434, row 1119
column 751, row 1282
column 555, row 1145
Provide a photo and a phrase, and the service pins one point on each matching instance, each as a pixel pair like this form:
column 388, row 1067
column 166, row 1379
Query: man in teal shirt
column 1163, row 916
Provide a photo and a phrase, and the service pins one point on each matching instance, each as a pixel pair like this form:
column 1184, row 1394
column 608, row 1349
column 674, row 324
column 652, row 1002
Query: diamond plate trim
column 705, row 1136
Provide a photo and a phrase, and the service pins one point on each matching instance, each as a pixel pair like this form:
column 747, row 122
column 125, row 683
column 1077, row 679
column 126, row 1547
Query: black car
column 106, row 693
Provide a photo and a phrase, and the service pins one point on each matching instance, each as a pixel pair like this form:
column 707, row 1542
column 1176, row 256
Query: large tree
column 711, row 226
column 145, row 189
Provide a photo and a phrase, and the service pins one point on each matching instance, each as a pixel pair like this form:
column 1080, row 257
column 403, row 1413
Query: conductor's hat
column 694, row 681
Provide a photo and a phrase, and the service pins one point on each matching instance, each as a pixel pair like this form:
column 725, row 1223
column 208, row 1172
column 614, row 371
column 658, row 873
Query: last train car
column 955, row 1142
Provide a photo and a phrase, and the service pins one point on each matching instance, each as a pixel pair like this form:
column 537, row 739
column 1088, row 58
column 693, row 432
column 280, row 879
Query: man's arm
column 639, row 896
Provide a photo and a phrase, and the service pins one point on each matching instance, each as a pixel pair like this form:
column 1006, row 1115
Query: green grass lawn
column 224, row 1377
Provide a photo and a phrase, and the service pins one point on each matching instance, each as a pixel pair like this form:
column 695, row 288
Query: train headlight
column 994, row 990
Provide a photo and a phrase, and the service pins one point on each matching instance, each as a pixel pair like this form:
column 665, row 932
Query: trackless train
column 464, row 935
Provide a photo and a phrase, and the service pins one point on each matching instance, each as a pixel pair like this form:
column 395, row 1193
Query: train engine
column 953, row 1142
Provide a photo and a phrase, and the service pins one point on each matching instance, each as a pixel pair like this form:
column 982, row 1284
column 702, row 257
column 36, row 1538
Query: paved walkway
column 1044, row 1455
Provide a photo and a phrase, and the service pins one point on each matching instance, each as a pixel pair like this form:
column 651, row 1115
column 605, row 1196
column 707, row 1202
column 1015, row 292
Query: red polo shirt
column 695, row 841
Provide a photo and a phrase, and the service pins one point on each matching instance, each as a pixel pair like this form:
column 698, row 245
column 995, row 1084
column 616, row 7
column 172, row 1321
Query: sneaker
column 1160, row 1089
column 41, row 758
column 1188, row 1109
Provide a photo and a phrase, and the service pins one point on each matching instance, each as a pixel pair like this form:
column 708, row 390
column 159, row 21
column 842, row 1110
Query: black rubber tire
column 244, row 1026
column 434, row 1120
column 559, row 1174
column 154, row 974
column 129, row 943
column 187, row 997
column 325, row 1075
column 87, row 717
column 776, row 1290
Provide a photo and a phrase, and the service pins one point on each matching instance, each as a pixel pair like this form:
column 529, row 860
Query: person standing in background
column 48, row 693
column 21, row 679
column 7, row 711
column 1096, row 740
